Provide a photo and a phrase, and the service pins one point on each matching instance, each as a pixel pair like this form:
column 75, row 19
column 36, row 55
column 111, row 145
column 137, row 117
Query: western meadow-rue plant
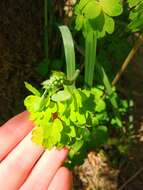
column 79, row 118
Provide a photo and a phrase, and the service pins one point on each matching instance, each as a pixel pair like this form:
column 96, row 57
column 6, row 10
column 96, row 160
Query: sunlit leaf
column 32, row 89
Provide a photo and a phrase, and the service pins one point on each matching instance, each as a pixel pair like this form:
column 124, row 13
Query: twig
column 131, row 179
column 128, row 59
column 80, row 50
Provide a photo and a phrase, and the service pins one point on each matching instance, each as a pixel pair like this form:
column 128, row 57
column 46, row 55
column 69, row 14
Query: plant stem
column 46, row 28
column 90, row 58
column 128, row 59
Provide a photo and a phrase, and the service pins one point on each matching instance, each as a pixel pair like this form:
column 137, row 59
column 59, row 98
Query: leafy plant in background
column 136, row 15
column 79, row 118
column 94, row 18
column 135, row 8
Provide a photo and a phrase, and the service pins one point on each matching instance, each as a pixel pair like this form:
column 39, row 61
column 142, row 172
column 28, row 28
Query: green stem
column 90, row 58
column 46, row 28
column 73, row 79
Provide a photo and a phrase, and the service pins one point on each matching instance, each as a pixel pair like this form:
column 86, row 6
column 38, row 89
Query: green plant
column 68, row 116
column 136, row 15
column 79, row 118
column 94, row 18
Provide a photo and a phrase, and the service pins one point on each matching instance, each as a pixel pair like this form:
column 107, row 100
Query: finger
column 62, row 180
column 12, row 132
column 17, row 165
column 45, row 169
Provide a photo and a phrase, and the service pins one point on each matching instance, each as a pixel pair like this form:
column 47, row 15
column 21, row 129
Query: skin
column 24, row 165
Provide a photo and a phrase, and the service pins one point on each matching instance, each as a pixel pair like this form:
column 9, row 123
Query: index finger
column 13, row 131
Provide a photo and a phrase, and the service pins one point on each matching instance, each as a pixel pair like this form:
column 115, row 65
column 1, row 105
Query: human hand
column 26, row 166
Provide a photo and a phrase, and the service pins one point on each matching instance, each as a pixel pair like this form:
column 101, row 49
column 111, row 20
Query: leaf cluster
column 70, row 117
column 136, row 15
column 96, row 16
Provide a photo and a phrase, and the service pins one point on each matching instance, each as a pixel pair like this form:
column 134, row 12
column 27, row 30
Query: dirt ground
column 20, row 46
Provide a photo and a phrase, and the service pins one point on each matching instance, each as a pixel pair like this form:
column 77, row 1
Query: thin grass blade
column 69, row 50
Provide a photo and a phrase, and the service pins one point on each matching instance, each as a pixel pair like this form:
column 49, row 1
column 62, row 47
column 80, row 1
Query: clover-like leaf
column 95, row 16
column 92, row 10
column 111, row 7
column 79, row 22
column 52, row 133
column 109, row 24
column 81, row 5
column 38, row 135
column 61, row 96
column 133, row 3
column 33, row 103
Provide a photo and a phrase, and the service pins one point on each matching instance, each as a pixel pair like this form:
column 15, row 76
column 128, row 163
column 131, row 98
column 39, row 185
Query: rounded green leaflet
column 109, row 24
column 111, row 7
column 79, row 22
column 72, row 132
column 73, row 116
column 47, row 115
column 81, row 118
column 52, row 133
column 98, row 92
column 81, row 5
column 92, row 10
column 65, row 119
column 61, row 96
column 133, row 3
column 33, row 103
column 61, row 107
column 97, row 25
column 100, row 106
column 38, row 135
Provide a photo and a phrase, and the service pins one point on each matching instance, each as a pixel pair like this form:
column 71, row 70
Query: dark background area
column 20, row 45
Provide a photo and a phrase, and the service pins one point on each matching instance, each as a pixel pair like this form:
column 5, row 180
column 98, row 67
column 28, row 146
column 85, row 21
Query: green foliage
column 136, row 15
column 70, row 118
column 96, row 16
column 84, row 118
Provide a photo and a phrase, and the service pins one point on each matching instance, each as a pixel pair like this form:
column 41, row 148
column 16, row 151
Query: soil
column 20, row 46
